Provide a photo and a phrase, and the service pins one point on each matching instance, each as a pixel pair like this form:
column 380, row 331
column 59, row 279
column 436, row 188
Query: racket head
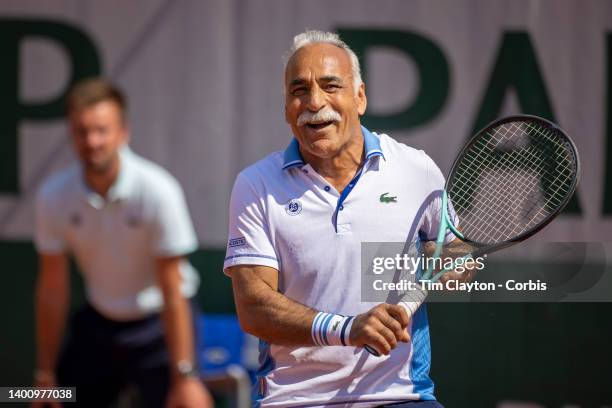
column 512, row 179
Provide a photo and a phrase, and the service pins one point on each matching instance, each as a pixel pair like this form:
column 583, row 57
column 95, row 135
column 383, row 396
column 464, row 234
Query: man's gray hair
column 322, row 37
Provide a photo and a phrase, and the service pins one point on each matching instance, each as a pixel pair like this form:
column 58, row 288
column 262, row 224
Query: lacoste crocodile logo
column 385, row 199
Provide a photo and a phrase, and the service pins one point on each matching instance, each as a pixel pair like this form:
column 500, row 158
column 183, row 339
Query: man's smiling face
column 322, row 105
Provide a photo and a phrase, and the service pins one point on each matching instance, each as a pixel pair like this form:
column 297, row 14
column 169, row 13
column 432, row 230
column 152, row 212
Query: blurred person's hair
column 91, row 91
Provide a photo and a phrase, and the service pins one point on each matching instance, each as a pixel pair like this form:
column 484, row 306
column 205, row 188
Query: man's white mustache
column 325, row 115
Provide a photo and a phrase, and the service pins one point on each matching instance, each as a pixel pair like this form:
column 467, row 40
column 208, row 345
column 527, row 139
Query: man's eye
column 298, row 91
column 332, row 87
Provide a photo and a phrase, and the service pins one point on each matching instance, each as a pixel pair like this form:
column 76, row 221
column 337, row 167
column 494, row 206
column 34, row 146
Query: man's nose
column 316, row 100
column 92, row 139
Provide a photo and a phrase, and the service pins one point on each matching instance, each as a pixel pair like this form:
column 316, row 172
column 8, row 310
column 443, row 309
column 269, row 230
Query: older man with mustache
column 297, row 221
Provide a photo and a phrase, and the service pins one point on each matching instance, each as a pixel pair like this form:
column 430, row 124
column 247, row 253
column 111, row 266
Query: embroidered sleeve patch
column 236, row 242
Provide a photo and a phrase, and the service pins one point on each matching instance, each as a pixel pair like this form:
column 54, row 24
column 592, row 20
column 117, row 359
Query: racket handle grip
column 411, row 307
column 413, row 300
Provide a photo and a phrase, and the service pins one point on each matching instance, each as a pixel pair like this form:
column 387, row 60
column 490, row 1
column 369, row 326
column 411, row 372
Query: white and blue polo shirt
column 286, row 216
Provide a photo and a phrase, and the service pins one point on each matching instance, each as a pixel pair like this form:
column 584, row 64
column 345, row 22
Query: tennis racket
column 510, row 180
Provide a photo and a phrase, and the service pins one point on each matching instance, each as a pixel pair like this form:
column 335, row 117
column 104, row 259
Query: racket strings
column 511, row 183
column 489, row 202
column 530, row 199
column 560, row 185
column 511, row 179
column 507, row 180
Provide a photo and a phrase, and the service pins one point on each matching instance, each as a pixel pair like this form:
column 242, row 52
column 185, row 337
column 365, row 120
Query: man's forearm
column 271, row 316
column 51, row 313
column 178, row 325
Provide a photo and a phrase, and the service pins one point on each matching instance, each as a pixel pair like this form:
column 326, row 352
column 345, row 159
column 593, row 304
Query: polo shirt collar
column 293, row 157
column 371, row 144
column 119, row 190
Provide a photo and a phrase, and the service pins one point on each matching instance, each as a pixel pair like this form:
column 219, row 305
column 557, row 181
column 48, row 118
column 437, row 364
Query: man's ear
column 362, row 100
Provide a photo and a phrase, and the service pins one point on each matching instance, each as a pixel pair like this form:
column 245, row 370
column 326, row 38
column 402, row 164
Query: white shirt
column 116, row 240
column 286, row 216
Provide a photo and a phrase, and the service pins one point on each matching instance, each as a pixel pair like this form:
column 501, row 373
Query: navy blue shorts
column 102, row 357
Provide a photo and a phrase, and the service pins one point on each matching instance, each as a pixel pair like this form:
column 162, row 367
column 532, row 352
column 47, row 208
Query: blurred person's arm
column 173, row 237
column 52, row 304
column 52, row 292
column 187, row 389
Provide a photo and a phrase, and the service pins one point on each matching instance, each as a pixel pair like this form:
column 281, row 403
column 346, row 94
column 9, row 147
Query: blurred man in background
column 126, row 222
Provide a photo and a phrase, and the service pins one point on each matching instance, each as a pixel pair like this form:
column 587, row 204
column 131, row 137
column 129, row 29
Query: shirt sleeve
column 48, row 238
column 174, row 233
column 249, row 241
column 433, row 213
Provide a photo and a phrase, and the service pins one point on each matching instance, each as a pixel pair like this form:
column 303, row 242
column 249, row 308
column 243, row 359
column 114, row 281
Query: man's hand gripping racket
column 510, row 180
